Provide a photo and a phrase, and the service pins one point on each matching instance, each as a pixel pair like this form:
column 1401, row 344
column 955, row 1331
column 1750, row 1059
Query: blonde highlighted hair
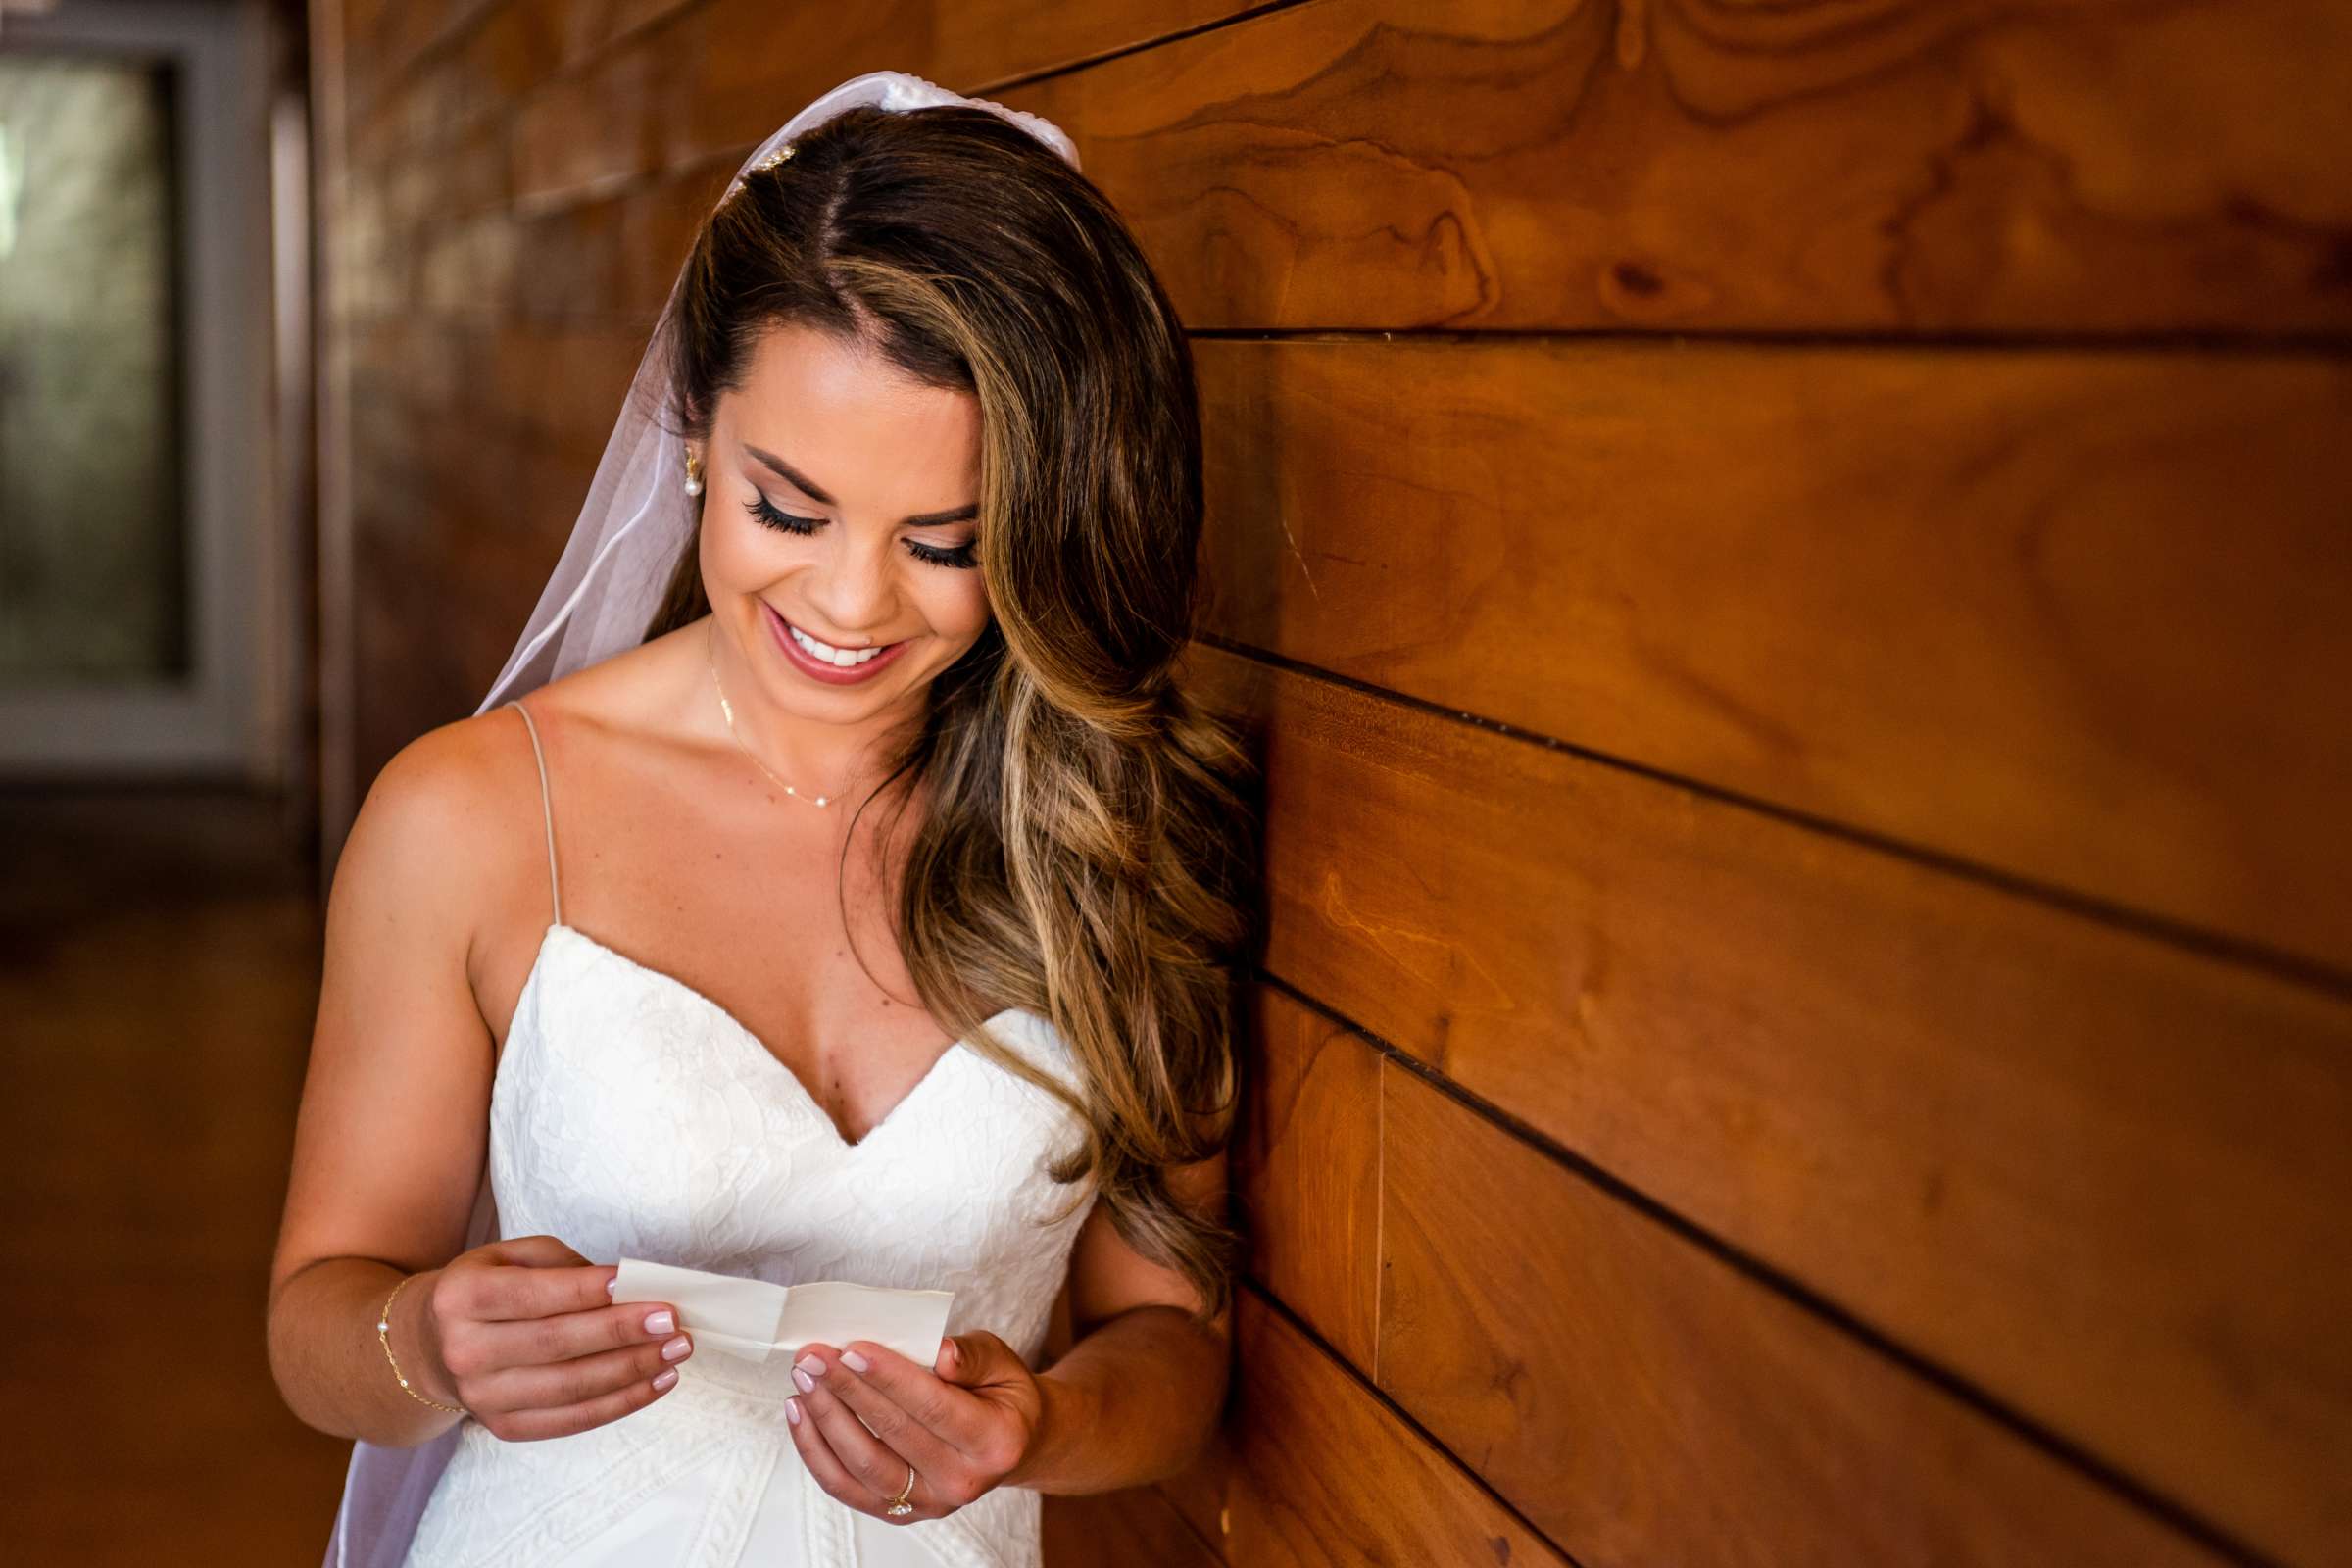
column 1089, row 847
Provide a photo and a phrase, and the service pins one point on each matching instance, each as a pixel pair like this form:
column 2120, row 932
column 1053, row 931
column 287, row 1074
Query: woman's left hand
column 864, row 1414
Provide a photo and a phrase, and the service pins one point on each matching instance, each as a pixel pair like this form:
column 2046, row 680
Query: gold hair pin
column 769, row 162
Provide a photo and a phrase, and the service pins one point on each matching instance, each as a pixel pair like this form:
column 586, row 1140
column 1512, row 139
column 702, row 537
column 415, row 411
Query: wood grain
column 1980, row 602
column 554, row 103
column 1541, row 163
column 1135, row 1528
column 1307, row 1170
column 1642, row 1401
column 2026, row 1144
column 1886, row 167
column 680, row 86
column 455, row 537
column 1321, row 1473
column 734, row 62
column 2061, row 1120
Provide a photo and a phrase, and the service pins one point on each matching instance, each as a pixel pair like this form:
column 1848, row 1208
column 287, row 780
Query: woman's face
column 840, row 500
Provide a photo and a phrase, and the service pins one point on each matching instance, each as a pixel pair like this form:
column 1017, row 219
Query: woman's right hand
column 523, row 1333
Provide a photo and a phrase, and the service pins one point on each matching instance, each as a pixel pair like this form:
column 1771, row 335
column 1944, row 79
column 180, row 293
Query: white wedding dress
column 632, row 1115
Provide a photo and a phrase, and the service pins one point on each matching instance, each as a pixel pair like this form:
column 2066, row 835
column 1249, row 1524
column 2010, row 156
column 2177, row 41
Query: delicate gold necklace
column 711, row 648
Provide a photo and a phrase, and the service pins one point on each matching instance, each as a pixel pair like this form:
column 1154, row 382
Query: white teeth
column 828, row 652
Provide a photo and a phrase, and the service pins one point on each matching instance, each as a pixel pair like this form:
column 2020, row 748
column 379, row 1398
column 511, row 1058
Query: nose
column 853, row 586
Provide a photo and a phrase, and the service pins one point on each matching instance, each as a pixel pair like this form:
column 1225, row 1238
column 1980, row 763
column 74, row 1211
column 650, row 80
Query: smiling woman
column 868, row 580
column 920, row 543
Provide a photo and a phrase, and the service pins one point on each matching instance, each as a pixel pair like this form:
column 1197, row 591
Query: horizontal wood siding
column 1789, row 568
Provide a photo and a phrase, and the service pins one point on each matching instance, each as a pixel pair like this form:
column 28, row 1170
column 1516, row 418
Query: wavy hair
column 1089, row 850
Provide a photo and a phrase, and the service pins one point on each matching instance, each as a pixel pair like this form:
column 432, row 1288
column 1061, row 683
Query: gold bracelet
column 383, row 1332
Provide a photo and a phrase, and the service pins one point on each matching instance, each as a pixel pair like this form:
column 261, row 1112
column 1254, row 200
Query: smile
column 822, row 660
column 827, row 651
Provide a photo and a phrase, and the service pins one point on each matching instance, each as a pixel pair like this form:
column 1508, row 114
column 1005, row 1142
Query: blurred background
column 1791, row 569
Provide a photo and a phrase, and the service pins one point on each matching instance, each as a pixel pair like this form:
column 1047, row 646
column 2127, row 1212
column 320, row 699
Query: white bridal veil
column 610, row 576
column 605, row 588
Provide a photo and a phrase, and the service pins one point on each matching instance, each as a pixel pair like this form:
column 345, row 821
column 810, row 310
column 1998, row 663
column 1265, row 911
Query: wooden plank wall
column 1791, row 569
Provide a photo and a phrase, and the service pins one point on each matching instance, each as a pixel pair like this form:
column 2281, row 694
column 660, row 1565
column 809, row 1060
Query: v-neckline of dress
column 740, row 1032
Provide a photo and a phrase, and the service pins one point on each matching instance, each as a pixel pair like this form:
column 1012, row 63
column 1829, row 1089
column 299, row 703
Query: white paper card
column 754, row 1318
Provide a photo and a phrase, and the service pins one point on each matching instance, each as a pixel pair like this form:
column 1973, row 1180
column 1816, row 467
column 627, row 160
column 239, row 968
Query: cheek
column 958, row 610
column 726, row 556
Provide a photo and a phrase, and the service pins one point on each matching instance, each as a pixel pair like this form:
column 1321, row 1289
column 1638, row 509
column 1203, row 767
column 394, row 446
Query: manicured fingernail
column 667, row 1379
column 609, row 1284
column 792, row 1411
column 808, row 1384
column 676, row 1348
column 856, row 1362
column 810, row 1365
column 661, row 1322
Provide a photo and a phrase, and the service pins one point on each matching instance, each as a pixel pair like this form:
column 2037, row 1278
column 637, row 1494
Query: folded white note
column 754, row 1319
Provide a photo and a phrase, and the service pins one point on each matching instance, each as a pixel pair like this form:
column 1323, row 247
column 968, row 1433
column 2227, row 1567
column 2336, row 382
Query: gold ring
column 899, row 1504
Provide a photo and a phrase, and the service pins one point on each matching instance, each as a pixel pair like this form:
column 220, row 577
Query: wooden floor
column 158, row 957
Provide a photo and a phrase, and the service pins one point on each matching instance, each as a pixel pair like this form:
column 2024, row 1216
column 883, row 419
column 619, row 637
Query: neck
column 814, row 756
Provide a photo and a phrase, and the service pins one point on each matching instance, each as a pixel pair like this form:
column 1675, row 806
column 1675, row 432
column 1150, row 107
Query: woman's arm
column 1138, row 1394
column 520, row 1332
column 388, row 1142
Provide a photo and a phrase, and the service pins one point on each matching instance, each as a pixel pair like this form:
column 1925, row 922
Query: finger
column 559, row 1384
column 529, row 1290
column 817, row 1454
column 957, row 1418
column 530, row 1251
column 979, row 1359
column 891, row 1422
column 534, row 1423
column 538, row 1342
column 880, row 1469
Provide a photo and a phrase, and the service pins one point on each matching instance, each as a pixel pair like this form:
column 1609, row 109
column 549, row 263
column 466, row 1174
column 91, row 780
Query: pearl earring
column 693, row 477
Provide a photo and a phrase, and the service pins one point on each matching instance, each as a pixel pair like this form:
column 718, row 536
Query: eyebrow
column 808, row 487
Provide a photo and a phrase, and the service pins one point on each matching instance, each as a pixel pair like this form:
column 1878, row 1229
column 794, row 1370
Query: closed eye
column 963, row 557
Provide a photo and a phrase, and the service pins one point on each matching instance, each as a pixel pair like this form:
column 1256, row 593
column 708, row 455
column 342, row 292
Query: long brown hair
column 1089, row 852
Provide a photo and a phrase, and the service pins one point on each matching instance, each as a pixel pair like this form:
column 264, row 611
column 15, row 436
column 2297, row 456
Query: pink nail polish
column 667, row 1379
column 856, row 1362
column 810, row 1365
column 792, row 1410
column 808, row 1384
column 660, row 1322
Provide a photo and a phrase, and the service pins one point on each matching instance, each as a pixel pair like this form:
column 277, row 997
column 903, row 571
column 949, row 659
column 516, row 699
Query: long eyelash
column 963, row 557
column 781, row 521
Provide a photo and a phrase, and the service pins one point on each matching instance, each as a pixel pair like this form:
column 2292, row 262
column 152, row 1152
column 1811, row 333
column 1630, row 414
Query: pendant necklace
column 710, row 647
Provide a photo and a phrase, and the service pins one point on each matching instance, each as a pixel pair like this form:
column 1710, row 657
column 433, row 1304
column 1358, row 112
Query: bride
column 836, row 885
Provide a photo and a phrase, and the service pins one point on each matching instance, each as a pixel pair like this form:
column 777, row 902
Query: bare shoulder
column 441, row 776
column 433, row 833
column 451, row 824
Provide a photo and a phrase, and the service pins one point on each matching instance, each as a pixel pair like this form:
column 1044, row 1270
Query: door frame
column 230, row 717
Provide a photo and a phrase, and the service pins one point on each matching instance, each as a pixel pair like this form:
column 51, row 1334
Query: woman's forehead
column 839, row 414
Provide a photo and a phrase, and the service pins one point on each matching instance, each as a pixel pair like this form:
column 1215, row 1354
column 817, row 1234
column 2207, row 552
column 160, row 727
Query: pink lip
column 831, row 674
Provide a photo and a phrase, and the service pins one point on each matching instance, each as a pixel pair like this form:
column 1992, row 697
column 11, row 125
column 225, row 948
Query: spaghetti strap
column 547, row 814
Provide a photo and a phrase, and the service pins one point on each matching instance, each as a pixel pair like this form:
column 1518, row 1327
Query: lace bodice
column 632, row 1115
